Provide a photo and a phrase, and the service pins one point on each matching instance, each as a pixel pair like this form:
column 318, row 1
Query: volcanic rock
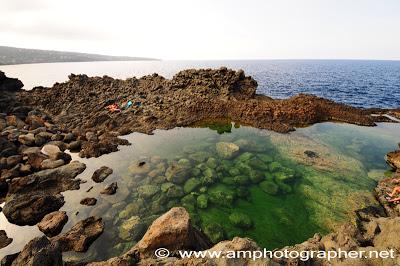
column 53, row 223
column 81, row 235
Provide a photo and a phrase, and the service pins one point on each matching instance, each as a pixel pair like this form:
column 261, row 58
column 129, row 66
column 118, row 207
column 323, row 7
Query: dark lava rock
column 101, row 174
column 39, row 252
column 81, row 235
column 89, row 201
column 110, row 189
column 4, row 239
column 9, row 84
column 29, row 209
column 53, row 223
column 52, row 181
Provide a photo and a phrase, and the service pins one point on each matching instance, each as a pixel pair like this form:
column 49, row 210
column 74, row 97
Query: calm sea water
column 359, row 83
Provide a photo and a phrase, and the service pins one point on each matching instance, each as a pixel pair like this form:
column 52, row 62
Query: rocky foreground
column 38, row 126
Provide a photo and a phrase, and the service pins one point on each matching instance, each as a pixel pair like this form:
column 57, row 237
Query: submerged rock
column 215, row 232
column 101, row 174
column 178, row 173
column 53, row 223
column 240, row 220
column 110, row 189
column 81, row 235
column 227, row 150
column 148, row 191
column 269, row 187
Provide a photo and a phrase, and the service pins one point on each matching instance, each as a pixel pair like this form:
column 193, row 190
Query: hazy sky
column 207, row 29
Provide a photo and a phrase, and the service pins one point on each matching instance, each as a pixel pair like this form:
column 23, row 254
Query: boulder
column 28, row 139
column 393, row 159
column 88, row 201
column 81, row 235
column 240, row 220
column 53, row 181
column 110, row 189
column 177, row 173
column 51, row 164
column 29, row 209
column 50, row 150
column 101, row 174
column 227, row 150
column 53, row 223
column 172, row 231
column 4, row 239
column 39, row 252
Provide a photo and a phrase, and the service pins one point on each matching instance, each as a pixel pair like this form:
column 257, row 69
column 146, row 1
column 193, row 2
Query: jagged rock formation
column 190, row 96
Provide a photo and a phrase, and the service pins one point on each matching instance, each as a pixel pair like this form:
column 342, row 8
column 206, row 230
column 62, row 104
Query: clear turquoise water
column 269, row 190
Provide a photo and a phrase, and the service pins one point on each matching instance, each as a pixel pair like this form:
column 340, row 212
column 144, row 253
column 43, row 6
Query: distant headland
column 15, row 56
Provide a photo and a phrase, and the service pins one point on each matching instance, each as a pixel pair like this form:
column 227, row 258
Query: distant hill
column 13, row 56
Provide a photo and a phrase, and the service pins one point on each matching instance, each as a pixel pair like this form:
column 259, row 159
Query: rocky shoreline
column 38, row 126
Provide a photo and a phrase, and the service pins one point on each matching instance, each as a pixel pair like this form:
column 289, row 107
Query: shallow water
column 269, row 190
column 360, row 83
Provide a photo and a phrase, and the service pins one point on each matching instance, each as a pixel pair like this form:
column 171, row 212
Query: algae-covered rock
column 227, row 150
column 269, row 187
column 275, row 166
column 202, row 201
column 199, row 156
column 189, row 202
column 241, row 179
column 209, row 176
column 266, row 158
column 171, row 190
column 191, row 185
column 215, row 232
column 228, row 180
column 256, row 176
column 211, row 163
column 133, row 208
column 203, row 189
column 148, row 191
column 221, row 195
column 130, row 228
column 242, row 192
column 241, row 220
column 256, row 163
column 178, row 172
column 244, row 157
column 234, row 171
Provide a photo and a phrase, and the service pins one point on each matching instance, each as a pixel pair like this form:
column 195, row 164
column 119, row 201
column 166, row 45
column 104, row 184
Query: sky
column 207, row 29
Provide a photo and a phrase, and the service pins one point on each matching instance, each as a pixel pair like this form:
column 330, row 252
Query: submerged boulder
column 240, row 220
column 227, row 150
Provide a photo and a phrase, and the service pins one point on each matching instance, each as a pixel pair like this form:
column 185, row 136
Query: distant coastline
column 17, row 56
